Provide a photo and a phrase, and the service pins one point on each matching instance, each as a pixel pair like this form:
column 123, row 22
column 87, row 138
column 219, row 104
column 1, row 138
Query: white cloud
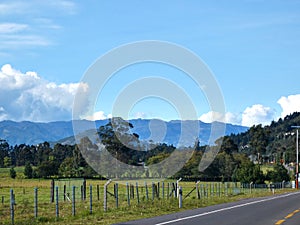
column 37, row 7
column 220, row 117
column 289, row 104
column 140, row 115
column 11, row 7
column 7, row 28
column 15, row 41
column 257, row 114
column 100, row 115
column 38, row 21
column 67, row 6
column 27, row 96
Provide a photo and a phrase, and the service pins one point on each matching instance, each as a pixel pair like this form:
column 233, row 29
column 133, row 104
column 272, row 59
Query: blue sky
column 251, row 46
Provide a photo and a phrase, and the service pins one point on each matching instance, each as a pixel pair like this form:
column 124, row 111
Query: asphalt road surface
column 275, row 210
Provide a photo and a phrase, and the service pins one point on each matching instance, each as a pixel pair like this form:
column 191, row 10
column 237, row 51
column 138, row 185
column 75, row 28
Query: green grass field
column 211, row 193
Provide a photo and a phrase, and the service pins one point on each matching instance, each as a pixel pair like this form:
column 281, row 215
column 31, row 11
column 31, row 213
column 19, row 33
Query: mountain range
column 33, row 133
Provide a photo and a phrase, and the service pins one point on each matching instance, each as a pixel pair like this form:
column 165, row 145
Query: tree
column 28, row 171
column 23, row 154
column 47, row 169
column 259, row 139
column 248, row 172
column 228, row 146
column 12, row 173
column 279, row 174
column 61, row 152
column 4, row 151
column 7, row 161
column 120, row 142
column 68, row 168
column 42, row 153
column 226, row 165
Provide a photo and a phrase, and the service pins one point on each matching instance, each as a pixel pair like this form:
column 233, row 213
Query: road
column 275, row 210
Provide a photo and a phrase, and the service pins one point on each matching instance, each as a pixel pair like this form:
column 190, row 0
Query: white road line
column 228, row 208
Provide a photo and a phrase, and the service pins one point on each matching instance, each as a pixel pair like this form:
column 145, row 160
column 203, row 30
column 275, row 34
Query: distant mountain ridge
column 33, row 133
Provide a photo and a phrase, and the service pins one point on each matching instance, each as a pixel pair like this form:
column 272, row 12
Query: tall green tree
column 259, row 139
column 4, row 151
column 28, row 171
column 121, row 142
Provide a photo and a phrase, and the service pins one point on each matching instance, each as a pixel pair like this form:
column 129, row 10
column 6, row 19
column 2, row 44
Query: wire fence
column 68, row 198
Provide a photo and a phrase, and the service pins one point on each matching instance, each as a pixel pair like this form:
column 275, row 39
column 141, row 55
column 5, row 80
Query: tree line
column 230, row 164
column 271, row 143
column 44, row 161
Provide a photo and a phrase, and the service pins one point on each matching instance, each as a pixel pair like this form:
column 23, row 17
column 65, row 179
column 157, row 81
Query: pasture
column 130, row 203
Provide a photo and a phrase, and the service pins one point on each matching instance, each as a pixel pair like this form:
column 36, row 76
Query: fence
column 65, row 201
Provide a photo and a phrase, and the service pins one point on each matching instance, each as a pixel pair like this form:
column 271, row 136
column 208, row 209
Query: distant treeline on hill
column 273, row 144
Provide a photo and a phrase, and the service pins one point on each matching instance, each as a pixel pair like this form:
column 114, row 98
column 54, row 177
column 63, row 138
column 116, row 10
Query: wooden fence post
column 35, row 202
column 174, row 189
column 163, row 190
column 146, row 189
column 65, row 192
column 73, row 201
column 128, row 194
column 91, row 199
column 137, row 193
column 98, row 192
column 132, row 191
column 117, row 194
column 12, row 207
column 56, row 205
column 84, row 189
column 153, row 191
column 52, row 191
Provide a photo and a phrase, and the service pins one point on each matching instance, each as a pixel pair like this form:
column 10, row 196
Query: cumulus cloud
column 27, row 96
column 289, row 104
column 99, row 115
column 257, row 114
column 220, row 117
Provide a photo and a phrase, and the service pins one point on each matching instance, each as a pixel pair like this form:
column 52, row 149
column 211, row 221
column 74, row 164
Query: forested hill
column 274, row 142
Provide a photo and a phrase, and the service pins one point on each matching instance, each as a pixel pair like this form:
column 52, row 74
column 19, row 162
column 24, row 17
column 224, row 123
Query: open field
column 142, row 207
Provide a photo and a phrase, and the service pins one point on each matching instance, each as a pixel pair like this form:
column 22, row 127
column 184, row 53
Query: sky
column 252, row 48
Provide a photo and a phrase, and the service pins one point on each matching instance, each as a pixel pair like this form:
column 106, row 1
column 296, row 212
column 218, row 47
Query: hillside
column 271, row 143
column 62, row 131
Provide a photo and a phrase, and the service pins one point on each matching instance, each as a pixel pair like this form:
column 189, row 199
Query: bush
column 12, row 173
column 28, row 171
